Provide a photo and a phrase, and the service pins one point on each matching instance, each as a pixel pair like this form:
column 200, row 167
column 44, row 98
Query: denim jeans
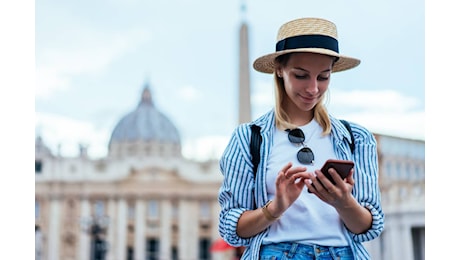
column 294, row 251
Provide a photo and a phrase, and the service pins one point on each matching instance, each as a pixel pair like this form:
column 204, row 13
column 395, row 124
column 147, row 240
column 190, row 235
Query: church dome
column 145, row 131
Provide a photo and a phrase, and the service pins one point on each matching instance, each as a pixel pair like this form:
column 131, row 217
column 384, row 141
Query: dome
column 146, row 126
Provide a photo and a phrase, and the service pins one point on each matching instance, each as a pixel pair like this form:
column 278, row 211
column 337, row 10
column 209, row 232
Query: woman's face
column 306, row 78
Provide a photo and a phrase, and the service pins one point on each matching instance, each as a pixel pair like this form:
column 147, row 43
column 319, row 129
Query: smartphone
column 343, row 168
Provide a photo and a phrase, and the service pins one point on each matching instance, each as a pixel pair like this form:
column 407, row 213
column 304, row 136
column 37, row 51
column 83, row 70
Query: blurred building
column 144, row 201
column 402, row 183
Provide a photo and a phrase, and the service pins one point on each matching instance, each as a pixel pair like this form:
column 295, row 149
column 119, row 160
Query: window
column 99, row 208
column 174, row 253
column 38, row 166
column 130, row 253
column 38, row 243
column 418, row 240
column 205, row 245
column 175, row 210
column 153, row 249
column 153, row 210
column 131, row 211
column 37, row 210
column 205, row 211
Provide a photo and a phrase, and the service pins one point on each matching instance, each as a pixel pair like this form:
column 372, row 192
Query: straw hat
column 307, row 35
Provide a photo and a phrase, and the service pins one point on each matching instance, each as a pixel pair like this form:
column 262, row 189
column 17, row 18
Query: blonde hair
column 282, row 120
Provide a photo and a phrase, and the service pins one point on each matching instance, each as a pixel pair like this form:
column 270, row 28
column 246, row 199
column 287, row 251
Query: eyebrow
column 326, row 70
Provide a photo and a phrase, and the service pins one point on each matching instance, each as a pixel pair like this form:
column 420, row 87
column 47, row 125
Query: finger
column 350, row 178
column 310, row 186
column 286, row 167
column 325, row 182
column 335, row 176
column 323, row 187
column 303, row 175
column 315, row 189
column 293, row 171
column 299, row 182
column 282, row 172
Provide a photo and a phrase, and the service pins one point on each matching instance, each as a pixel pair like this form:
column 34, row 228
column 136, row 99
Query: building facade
column 144, row 201
column 402, row 184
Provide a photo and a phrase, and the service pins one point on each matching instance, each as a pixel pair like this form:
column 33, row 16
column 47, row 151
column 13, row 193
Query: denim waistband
column 296, row 250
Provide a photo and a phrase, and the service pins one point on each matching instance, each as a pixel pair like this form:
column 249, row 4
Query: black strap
column 347, row 125
column 256, row 140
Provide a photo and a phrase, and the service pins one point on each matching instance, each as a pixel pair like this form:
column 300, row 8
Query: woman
column 289, row 208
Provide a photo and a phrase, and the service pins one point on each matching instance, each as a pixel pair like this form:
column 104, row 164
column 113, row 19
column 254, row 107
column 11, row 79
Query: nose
column 312, row 87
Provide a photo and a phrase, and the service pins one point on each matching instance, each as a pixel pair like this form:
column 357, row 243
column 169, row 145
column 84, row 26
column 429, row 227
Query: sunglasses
column 305, row 154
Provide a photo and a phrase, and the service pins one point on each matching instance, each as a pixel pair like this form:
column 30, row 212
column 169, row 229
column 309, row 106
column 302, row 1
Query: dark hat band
column 308, row 41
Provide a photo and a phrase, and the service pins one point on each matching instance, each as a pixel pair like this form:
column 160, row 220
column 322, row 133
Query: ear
column 279, row 73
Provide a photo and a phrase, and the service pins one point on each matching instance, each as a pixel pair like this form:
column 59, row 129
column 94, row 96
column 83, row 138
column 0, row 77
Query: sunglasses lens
column 296, row 136
column 306, row 156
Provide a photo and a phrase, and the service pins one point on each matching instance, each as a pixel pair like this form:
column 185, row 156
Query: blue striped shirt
column 239, row 191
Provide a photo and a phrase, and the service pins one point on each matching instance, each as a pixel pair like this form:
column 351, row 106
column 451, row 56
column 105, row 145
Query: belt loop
column 316, row 250
column 292, row 250
column 332, row 252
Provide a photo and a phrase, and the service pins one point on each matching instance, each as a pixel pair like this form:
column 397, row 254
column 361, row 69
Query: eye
column 301, row 76
column 323, row 78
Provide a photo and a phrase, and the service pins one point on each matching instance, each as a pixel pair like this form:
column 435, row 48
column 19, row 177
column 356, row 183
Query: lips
column 307, row 99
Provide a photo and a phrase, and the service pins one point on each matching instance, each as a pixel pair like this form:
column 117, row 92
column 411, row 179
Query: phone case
column 342, row 167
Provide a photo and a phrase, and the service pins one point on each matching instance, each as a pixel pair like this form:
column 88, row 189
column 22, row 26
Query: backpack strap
column 347, row 125
column 256, row 140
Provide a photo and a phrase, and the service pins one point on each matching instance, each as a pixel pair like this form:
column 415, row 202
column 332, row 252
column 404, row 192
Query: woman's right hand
column 289, row 184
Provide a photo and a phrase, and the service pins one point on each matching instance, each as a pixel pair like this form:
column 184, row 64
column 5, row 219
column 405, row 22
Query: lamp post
column 96, row 227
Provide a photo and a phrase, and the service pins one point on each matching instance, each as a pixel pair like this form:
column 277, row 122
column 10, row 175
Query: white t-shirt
column 309, row 220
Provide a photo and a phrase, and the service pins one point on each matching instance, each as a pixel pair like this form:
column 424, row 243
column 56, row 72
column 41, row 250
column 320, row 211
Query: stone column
column 188, row 229
column 405, row 237
column 84, row 235
column 165, row 229
column 121, row 230
column 111, row 230
column 139, row 238
column 215, row 211
column 54, row 229
column 398, row 243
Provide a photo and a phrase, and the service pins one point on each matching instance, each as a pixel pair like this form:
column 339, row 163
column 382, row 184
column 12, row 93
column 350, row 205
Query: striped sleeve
column 366, row 190
column 236, row 192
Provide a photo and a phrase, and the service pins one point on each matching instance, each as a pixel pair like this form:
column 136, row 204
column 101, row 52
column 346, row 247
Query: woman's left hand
column 355, row 217
column 337, row 195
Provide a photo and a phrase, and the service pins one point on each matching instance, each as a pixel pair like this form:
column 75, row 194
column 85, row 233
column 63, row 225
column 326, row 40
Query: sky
column 93, row 58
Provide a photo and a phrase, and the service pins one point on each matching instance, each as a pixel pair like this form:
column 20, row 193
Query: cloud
column 374, row 100
column 381, row 111
column 87, row 51
column 204, row 148
column 66, row 134
column 189, row 93
column 48, row 81
column 406, row 125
